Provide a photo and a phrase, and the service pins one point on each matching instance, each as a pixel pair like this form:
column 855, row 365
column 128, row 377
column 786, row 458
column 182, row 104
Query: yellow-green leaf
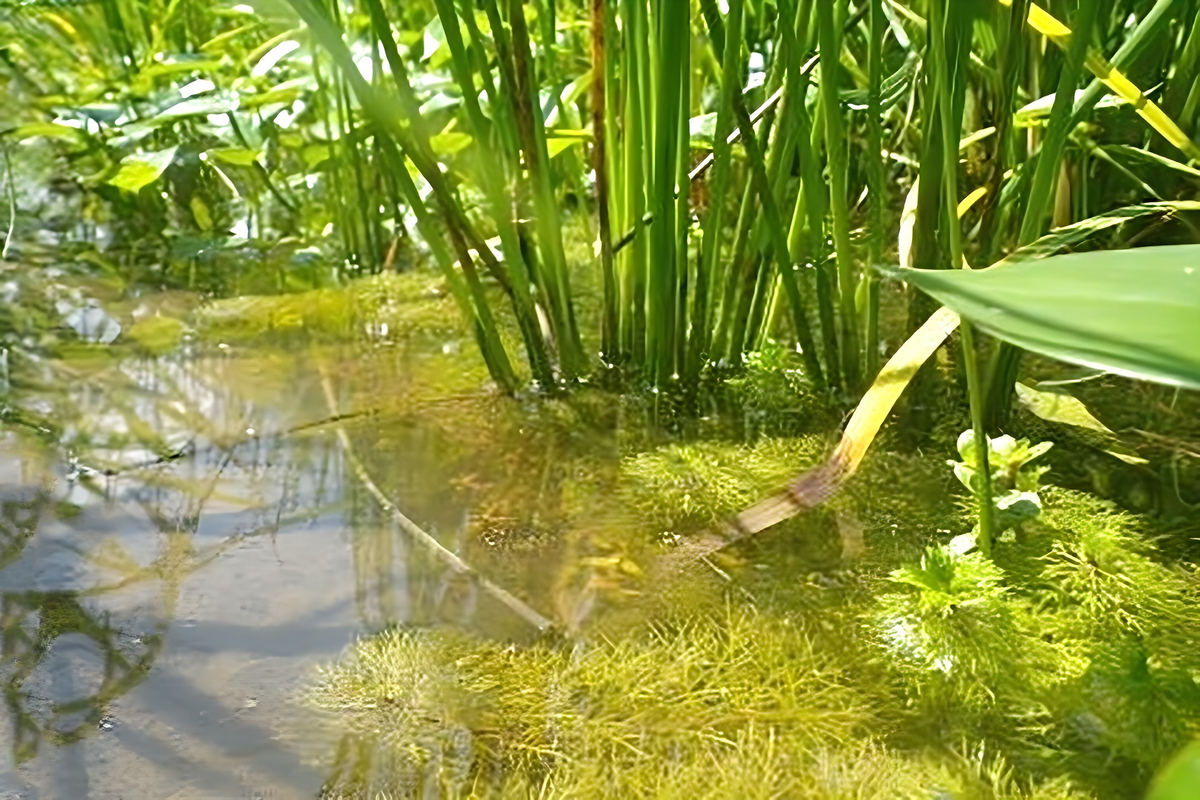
column 142, row 169
column 1056, row 405
column 1059, row 406
column 237, row 156
column 201, row 213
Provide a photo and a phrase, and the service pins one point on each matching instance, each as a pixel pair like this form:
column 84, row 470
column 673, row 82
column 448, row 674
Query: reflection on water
column 193, row 542
column 185, row 539
column 172, row 571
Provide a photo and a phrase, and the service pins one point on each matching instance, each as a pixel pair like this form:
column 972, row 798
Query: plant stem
column 874, row 162
column 946, row 27
column 838, row 158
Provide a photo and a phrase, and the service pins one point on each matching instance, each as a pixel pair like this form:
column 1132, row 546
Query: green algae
column 157, row 335
column 741, row 705
column 406, row 303
column 1063, row 669
column 687, row 487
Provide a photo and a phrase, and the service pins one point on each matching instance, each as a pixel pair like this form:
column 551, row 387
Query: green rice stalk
column 778, row 242
column 877, row 30
column 1012, row 60
column 671, row 31
column 601, row 128
column 634, row 154
column 495, row 186
column 1006, row 358
column 713, row 272
column 550, row 244
column 837, row 155
column 948, row 27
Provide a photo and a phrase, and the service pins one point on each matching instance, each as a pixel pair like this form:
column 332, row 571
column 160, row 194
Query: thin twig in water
column 418, row 535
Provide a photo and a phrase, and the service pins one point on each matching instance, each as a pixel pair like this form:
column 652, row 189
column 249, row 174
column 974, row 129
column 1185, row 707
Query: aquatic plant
column 738, row 706
column 1014, row 484
column 267, row 129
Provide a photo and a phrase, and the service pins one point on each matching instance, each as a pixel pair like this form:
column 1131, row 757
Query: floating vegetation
column 384, row 307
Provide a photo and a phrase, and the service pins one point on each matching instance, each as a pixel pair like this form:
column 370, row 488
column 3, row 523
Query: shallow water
column 159, row 622
column 196, row 539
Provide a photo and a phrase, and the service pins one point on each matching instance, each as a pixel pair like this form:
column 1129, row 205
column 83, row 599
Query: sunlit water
column 201, row 533
column 160, row 623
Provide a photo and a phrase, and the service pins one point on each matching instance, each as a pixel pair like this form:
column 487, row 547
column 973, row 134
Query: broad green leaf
column 198, row 106
column 315, row 154
column 238, row 156
column 447, row 143
column 1132, row 312
column 201, row 213
column 50, row 130
column 1059, row 406
column 1180, row 778
column 559, row 144
column 142, row 169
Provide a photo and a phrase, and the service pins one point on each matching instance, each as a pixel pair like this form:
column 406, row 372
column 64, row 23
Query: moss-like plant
column 744, row 706
column 689, row 486
column 384, row 307
column 1133, row 623
column 952, row 630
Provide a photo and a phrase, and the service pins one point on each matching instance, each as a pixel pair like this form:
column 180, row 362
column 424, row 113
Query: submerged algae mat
column 829, row 657
column 1074, row 679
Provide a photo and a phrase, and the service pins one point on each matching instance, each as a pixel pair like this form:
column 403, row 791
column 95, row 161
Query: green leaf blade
column 141, row 170
column 1131, row 312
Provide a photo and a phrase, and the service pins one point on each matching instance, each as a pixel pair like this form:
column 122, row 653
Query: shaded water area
column 191, row 544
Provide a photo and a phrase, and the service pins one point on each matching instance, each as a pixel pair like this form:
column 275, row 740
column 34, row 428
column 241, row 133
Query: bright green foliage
column 157, row 335
column 725, row 708
column 696, row 486
column 384, row 306
column 1179, row 779
column 143, row 169
column 1014, row 482
column 1134, row 312
column 466, row 135
column 953, row 628
column 1061, row 669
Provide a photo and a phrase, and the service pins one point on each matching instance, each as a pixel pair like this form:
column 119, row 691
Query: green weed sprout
column 1015, row 497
